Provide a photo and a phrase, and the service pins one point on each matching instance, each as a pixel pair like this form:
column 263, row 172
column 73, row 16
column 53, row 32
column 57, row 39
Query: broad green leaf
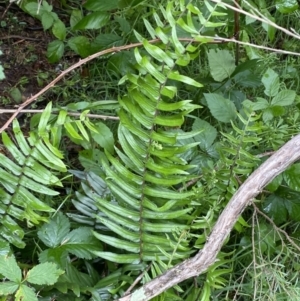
column 292, row 176
column 276, row 208
column 81, row 243
column 95, row 20
column 4, row 245
column 259, row 104
column 44, row 274
column 287, row 6
column 8, row 288
column 271, row 30
column 16, row 94
column 275, row 184
column 284, row 98
column 10, row 269
column 270, row 80
column 221, row 64
column 53, row 233
column 103, row 5
column 124, row 24
column 76, row 16
column 25, row 293
column 80, row 45
column 221, row 108
column 56, row 255
column 208, row 133
column 121, row 63
column 267, row 115
column 59, row 30
column 55, row 51
column 106, row 40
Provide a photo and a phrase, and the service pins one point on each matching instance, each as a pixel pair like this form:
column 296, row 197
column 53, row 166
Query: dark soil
column 23, row 44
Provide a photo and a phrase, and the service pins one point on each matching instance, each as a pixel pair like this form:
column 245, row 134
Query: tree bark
column 195, row 266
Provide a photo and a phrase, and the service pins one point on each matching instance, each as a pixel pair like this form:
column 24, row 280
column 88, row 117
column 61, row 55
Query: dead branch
column 197, row 265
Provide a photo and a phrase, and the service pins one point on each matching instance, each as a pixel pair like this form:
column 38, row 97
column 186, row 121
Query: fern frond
column 27, row 171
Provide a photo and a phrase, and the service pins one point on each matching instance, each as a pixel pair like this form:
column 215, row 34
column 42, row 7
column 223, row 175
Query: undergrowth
column 87, row 206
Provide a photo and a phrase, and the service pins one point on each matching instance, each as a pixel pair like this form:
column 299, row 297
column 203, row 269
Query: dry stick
column 104, row 117
column 192, row 267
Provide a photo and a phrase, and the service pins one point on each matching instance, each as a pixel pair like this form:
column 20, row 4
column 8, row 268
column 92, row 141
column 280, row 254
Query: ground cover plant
column 151, row 125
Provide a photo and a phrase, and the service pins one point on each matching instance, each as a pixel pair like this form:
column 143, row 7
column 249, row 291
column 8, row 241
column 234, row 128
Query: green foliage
column 26, row 174
column 42, row 274
column 145, row 192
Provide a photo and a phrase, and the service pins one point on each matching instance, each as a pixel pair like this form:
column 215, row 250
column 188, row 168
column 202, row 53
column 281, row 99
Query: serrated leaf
column 221, row 108
column 25, row 293
column 292, row 177
column 76, row 16
column 47, row 20
column 80, row 45
column 81, row 243
column 284, row 98
column 208, row 133
column 276, row 208
column 221, row 64
column 95, row 20
column 44, row 274
column 260, row 104
column 59, row 30
column 8, row 288
column 106, row 40
column 55, row 231
column 10, row 269
column 55, row 51
column 270, row 80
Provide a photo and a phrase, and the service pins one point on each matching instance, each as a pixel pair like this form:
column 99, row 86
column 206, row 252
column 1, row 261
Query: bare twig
column 96, row 116
column 192, row 267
